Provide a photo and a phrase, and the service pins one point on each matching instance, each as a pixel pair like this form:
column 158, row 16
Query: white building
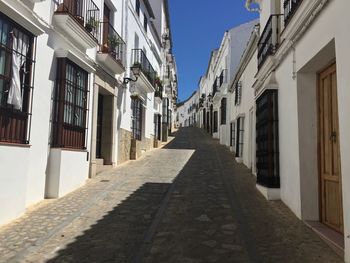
column 66, row 92
column 186, row 111
column 302, row 95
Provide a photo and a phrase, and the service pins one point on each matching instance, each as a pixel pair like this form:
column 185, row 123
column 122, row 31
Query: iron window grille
column 17, row 67
column 240, row 137
column 223, row 109
column 238, row 93
column 165, row 111
column 70, row 106
column 267, row 146
column 136, row 118
column 233, row 135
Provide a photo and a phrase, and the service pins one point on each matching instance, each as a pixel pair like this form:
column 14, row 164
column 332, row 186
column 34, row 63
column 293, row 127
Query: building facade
column 287, row 108
column 82, row 89
column 187, row 112
column 301, row 88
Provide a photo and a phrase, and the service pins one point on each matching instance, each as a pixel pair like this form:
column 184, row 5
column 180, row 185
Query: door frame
column 319, row 164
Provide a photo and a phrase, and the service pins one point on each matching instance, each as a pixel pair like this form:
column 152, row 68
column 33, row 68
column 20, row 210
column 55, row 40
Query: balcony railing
column 159, row 90
column 215, row 86
column 290, row 7
column 223, row 77
column 269, row 39
column 112, row 43
column 139, row 58
column 85, row 12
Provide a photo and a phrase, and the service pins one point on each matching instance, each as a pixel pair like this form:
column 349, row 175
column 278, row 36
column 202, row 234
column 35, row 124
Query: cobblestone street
column 187, row 202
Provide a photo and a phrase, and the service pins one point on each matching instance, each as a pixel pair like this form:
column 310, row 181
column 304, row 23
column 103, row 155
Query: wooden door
column 330, row 173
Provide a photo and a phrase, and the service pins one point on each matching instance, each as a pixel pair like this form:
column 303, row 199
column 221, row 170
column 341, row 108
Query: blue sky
column 197, row 28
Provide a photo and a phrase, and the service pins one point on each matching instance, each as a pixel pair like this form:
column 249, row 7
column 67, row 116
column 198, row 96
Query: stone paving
column 188, row 202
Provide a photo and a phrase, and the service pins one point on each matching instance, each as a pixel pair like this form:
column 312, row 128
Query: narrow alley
column 187, row 202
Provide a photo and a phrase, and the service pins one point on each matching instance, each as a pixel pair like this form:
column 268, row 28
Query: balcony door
column 330, row 172
column 75, row 7
column 106, row 22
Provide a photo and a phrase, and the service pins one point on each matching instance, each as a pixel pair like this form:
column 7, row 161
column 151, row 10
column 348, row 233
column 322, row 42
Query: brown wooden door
column 330, row 175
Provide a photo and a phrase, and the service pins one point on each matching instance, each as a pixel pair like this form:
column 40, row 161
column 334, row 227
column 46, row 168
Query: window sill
column 15, row 145
column 69, row 149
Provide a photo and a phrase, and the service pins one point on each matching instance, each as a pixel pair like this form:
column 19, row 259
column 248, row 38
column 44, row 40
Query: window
column 165, row 111
column 136, row 118
column 136, row 41
column 137, row 7
column 215, row 121
column 233, row 135
column 267, row 148
column 145, row 22
column 17, row 63
column 238, row 93
column 157, row 126
column 70, row 106
column 240, row 137
column 223, row 111
column 204, row 119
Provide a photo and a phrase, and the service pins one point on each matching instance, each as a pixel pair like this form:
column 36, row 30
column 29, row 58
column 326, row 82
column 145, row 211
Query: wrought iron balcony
column 112, row 43
column 269, row 39
column 290, row 7
column 84, row 12
column 159, row 90
column 222, row 78
column 215, row 86
column 140, row 59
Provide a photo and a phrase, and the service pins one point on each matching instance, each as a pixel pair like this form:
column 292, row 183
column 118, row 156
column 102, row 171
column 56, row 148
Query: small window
column 145, row 22
column 223, row 111
column 136, row 118
column 16, row 81
column 137, row 7
column 70, row 110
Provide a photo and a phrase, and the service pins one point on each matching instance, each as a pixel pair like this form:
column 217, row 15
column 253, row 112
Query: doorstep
column 334, row 239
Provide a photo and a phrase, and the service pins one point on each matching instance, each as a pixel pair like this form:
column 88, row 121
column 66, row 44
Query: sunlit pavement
column 187, row 202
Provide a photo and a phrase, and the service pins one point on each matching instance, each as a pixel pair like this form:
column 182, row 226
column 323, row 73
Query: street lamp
column 136, row 71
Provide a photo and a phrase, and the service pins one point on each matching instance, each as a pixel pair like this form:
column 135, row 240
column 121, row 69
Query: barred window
column 223, row 111
column 70, row 111
column 240, row 137
column 233, row 135
column 17, row 48
column 136, row 118
column 238, row 93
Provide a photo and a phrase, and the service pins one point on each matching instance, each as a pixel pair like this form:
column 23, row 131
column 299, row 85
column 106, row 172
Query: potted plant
column 114, row 41
column 91, row 24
